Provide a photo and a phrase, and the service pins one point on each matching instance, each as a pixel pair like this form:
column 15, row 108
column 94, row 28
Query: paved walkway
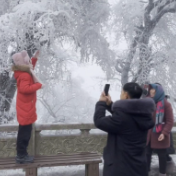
column 171, row 167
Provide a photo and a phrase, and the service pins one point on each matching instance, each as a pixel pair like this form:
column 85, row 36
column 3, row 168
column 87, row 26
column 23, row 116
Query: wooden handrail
column 56, row 126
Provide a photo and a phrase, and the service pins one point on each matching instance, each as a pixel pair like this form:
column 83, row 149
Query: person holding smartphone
column 127, row 127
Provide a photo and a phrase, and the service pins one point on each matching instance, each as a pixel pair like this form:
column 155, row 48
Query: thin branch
column 62, row 105
column 47, row 107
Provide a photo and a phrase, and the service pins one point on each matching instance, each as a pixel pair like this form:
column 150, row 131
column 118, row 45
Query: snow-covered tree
column 149, row 30
column 53, row 27
column 66, row 102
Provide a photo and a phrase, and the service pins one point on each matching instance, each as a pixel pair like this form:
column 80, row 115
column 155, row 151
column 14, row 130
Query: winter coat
column 26, row 94
column 124, row 154
column 152, row 137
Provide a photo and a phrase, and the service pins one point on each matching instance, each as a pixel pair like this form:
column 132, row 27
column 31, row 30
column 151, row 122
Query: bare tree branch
column 44, row 102
column 63, row 104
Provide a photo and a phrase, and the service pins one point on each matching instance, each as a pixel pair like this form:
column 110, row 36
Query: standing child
column 27, row 85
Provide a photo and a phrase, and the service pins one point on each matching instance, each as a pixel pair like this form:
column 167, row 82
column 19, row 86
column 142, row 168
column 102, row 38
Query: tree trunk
column 143, row 36
column 127, row 65
column 142, row 41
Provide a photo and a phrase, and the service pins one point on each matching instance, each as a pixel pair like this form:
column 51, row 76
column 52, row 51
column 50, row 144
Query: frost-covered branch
column 47, row 106
column 118, row 66
column 129, row 59
column 162, row 4
column 148, row 9
column 64, row 103
column 168, row 8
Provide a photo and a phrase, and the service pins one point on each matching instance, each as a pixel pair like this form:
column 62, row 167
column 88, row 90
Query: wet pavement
column 171, row 166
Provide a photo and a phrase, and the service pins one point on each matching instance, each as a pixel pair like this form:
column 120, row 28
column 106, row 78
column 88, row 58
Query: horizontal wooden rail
column 56, row 126
column 70, row 126
column 8, row 128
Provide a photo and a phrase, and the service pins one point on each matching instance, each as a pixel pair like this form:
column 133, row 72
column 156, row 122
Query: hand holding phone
column 106, row 89
column 105, row 95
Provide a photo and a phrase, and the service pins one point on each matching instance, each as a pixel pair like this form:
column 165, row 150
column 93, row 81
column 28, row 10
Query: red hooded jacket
column 26, row 94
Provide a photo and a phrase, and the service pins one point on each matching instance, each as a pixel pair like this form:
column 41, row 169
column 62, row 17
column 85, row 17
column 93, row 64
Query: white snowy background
column 73, row 100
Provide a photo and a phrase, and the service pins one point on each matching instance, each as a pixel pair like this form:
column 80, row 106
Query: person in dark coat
column 158, row 138
column 127, row 127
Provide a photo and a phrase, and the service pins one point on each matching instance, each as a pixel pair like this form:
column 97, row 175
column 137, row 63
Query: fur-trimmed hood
column 141, row 110
column 22, row 68
column 19, row 69
column 135, row 106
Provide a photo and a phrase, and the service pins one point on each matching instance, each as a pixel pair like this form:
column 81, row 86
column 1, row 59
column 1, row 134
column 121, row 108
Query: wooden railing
column 46, row 139
column 80, row 139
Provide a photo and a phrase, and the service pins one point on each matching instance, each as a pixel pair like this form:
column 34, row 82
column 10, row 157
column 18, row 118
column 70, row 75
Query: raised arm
column 110, row 124
column 34, row 61
column 35, row 58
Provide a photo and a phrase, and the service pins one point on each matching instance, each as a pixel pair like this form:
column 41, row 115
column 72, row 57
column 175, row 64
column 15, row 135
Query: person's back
column 127, row 129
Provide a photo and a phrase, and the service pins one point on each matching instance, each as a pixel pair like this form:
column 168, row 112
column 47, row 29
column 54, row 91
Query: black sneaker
column 24, row 159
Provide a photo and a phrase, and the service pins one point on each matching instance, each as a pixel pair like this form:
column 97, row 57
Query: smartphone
column 106, row 89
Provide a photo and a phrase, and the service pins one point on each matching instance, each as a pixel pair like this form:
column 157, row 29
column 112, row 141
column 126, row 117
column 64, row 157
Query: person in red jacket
column 27, row 85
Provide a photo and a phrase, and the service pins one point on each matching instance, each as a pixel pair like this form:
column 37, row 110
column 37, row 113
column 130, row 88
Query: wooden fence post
column 92, row 170
column 31, row 172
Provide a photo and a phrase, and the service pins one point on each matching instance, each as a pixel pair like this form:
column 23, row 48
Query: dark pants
column 171, row 149
column 162, row 155
column 24, row 135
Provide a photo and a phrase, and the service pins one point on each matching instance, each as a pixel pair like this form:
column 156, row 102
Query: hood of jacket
column 141, row 110
column 18, row 69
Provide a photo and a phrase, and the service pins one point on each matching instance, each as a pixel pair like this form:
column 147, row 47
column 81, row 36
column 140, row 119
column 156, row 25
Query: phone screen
column 106, row 89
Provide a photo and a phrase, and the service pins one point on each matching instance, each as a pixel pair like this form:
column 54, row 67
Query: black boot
column 24, row 159
column 169, row 159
